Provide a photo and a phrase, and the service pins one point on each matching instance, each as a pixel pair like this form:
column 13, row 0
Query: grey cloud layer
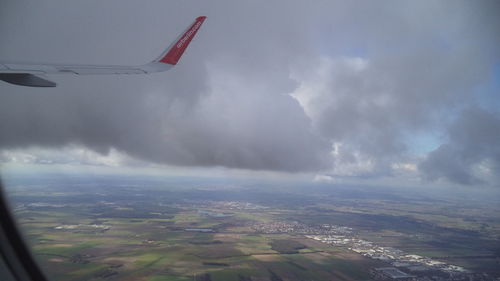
column 228, row 103
column 472, row 153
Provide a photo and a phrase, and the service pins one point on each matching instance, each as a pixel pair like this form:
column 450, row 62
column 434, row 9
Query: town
column 403, row 266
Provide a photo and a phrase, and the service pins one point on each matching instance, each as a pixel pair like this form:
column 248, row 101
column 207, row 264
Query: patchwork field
column 162, row 249
column 122, row 232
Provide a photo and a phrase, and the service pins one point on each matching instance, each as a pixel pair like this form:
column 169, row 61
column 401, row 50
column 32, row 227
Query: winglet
column 174, row 54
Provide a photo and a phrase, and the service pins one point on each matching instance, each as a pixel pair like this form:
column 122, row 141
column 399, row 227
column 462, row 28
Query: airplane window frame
column 14, row 251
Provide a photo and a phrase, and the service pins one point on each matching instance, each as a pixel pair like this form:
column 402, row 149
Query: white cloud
column 70, row 155
column 323, row 87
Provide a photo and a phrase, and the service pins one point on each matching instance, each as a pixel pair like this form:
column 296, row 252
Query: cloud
column 327, row 86
column 68, row 155
column 472, row 153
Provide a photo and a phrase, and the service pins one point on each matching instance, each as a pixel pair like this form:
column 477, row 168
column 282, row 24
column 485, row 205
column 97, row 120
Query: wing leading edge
column 26, row 74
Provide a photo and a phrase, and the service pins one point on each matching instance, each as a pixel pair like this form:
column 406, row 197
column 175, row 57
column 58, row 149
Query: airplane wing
column 26, row 74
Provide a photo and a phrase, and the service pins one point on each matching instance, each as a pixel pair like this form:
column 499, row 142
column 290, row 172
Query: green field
column 153, row 249
column 160, row 234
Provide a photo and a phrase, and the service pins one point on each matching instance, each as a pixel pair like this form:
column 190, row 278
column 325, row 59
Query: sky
column 393, row 92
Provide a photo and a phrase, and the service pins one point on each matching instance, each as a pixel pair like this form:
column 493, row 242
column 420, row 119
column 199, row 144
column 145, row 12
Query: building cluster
column 405, row 267
column 300, row 228
column 84, row 228
column 41, row 205
column 390, row 273
column 237, row 205
column 424, row 274
column 225, row 205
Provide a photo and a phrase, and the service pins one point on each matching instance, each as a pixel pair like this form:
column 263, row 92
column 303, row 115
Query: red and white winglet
column 25, row 74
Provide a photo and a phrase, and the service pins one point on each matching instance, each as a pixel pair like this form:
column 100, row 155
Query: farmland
column 157, row 231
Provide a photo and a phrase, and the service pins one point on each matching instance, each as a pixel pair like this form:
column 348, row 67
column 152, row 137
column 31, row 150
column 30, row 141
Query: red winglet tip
column 174, row 54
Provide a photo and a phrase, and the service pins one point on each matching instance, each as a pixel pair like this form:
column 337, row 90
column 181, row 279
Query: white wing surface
column 26, row 74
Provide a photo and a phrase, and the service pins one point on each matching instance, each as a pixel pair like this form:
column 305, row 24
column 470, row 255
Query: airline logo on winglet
column 188, row 34
column 175, row 53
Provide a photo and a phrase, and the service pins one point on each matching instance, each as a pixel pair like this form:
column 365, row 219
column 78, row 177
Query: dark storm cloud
column 472, row 153
column 175, row 117
column 374, row 72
